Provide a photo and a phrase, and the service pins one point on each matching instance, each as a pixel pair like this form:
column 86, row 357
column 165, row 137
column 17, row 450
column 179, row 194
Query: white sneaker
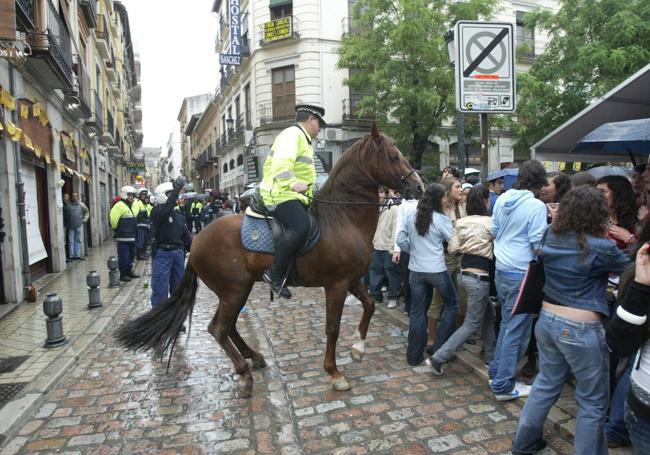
column 392, row 303
column 520, row 390
column 384, row 288
column 352, row 300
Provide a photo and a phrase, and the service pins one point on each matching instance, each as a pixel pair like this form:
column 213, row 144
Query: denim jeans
column 382, row 266
column 639, row 429
column 167, row 269
column 514, row 334
column 141, row 242
column 480, row 315
column 615, row 428
column 579, row 347
column 74, row 242
column 421, row 284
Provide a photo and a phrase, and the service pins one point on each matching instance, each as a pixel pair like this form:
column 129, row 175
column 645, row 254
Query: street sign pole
column 484, row 147
column 460, row 143
column 485, row 74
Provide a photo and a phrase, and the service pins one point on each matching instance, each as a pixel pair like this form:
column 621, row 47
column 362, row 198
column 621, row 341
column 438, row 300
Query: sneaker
column 352, row 300
column 384, row 288
column 281, row 291
column 392, row 303
column 520, row 390
column 436, row 368
column 490, row 381
column 539, row 445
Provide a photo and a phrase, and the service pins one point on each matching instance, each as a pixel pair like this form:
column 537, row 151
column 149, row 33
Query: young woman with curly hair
column 577, row 257
column 622, row 209
column 422, row 235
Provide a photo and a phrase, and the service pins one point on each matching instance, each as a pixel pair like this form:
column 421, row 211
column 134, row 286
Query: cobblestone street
column 114, row 401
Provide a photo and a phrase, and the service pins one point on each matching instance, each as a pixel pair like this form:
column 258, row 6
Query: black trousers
column 295, row 219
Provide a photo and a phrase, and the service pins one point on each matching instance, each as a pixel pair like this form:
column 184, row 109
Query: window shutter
column 8, row 20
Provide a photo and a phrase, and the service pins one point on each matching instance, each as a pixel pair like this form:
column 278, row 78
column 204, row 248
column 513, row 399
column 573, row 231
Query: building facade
column 69, row 99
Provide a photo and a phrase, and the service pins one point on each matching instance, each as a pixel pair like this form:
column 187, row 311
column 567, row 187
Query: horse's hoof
column 357, row 355
column 341, row 384
column 259, row 362
column 245, row 388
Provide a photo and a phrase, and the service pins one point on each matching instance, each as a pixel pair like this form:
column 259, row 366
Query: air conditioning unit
column 334, row 134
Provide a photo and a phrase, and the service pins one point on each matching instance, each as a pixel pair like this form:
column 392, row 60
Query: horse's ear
column 374, row 132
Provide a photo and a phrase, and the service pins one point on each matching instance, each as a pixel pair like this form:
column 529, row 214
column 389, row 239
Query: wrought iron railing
column 277, row 111
column 110, row 126
column 59, row 39
column 27, row 7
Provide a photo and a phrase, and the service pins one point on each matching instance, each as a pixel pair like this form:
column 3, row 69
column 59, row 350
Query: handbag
column 531, row 293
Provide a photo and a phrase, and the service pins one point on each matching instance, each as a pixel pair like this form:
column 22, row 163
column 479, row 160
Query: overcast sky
column 175, row 39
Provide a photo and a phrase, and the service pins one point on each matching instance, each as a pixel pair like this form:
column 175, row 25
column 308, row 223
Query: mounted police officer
column 171, row 241
column 286, row 188
column 123, row 220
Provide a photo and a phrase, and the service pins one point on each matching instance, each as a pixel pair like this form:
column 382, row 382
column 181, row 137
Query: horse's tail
column 159, row 327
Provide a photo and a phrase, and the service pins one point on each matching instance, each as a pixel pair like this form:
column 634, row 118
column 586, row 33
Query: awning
column 629, row 100
column 274, row 3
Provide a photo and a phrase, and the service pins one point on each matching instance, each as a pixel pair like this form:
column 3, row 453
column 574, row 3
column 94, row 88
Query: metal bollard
column 52, row 307
column 94, row 299
column 113, row 274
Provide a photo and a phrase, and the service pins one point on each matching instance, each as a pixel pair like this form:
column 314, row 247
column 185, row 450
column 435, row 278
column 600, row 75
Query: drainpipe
column 20, row 189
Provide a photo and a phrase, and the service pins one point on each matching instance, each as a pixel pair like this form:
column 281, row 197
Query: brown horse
column 347, row 210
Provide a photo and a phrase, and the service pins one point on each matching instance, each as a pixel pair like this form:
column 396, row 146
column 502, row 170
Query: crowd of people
column 465, row 249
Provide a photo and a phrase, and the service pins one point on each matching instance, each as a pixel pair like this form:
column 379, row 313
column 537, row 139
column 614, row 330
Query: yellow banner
column 277, row 29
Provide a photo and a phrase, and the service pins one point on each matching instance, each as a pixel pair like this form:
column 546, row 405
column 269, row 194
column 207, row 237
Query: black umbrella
column 631, row 137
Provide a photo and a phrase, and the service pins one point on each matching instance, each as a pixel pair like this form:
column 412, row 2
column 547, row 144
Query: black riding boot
column 275, row 276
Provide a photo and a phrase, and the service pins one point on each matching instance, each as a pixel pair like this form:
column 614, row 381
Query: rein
column 375, row 204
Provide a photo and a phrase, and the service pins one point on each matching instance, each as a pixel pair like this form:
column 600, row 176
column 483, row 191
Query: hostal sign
column 234, row 57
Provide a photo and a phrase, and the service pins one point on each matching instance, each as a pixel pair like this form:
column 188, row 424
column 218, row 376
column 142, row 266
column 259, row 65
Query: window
column 280, row 8
column 238, row 120
column 225, row 167
column 240, row 160
column 525, row 37
column 232, row 164
column 247, row 105
column 284, row 93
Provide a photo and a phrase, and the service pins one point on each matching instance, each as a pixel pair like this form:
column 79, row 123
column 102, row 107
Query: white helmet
column 160, row 191
column 126, row 190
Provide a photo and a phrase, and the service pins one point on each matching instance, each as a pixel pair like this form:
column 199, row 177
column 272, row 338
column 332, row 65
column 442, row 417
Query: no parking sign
column 485, row 67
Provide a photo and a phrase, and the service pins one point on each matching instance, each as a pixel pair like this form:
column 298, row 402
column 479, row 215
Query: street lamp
column 230, row 124
column 460, row 117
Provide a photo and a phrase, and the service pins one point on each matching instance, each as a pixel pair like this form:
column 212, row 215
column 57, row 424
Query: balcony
column 89, row 11
column 101, row 35
column 116, row 88
column 136, row 92
column 83, row 80
column 25, row 21
column 108, row 136
column 51, row 52
column 281, row 29
column 278, row 111
column 214, row 155
column 246, row 48
column 111, row 70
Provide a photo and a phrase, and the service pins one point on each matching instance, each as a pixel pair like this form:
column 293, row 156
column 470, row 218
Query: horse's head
column 389, row 166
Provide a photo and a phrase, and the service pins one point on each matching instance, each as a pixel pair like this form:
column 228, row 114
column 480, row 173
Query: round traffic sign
column 494, row 61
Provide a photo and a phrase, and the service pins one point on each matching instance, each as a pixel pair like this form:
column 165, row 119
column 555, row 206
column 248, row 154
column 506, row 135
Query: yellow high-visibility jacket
column 291, row 160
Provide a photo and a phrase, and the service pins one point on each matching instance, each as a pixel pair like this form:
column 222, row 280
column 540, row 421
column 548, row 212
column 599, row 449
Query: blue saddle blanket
column 257, row 236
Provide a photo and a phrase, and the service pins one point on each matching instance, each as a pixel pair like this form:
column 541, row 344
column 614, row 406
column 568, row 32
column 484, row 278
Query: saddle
column 259, row 229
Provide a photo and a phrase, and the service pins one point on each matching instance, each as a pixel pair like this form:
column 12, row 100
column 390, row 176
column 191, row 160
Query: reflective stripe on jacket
column 123, row 221
column 291, row 160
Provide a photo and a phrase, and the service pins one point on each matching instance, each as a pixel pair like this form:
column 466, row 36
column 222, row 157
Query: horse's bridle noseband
column 402, row 179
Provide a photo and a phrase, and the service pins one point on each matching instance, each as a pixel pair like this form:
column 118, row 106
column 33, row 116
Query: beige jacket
column 472, row 236
column 453, row 260
column 385, row 234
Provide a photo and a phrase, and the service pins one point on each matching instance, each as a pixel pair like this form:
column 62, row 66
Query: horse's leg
column 245, row 350
column 358, row 289
column 220, row 327
column 334, row 297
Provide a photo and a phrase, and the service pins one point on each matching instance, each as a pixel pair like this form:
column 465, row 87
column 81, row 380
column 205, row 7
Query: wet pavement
column 113, row 401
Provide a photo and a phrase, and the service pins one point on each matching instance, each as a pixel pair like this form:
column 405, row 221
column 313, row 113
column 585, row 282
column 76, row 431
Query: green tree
column 593, row 46
column 397, row 56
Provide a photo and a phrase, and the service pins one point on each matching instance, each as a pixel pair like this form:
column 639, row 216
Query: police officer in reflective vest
column 144, row 223
column 286, row 188
column 123, row 220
